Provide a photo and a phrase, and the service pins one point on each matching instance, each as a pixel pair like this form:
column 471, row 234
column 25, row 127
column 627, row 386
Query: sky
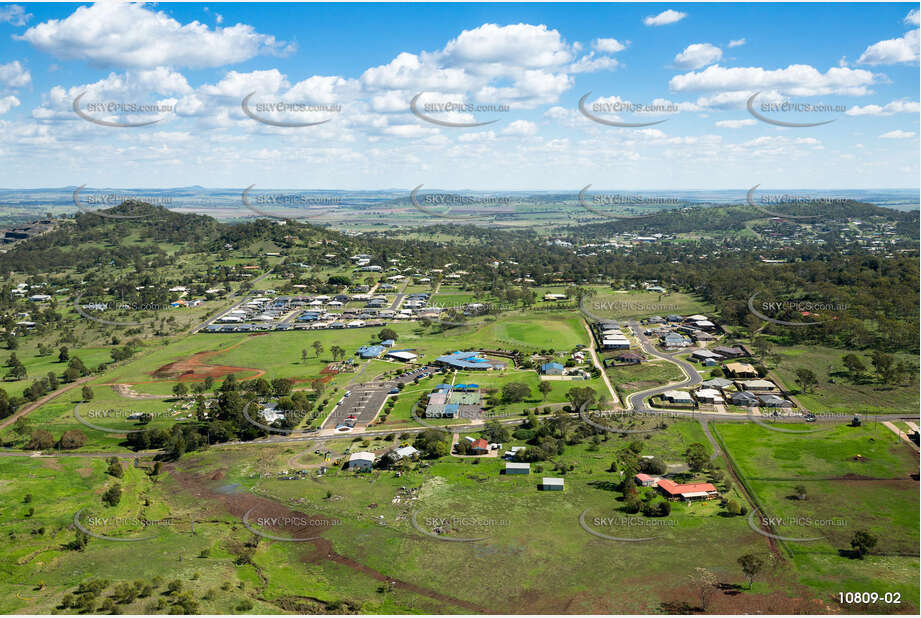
column 351, row 71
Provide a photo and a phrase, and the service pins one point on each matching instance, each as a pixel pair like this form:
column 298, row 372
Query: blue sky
column 364, row 63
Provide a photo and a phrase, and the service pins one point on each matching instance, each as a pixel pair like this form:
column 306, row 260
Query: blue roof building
column 370, row 351
column 468, row 360
column 551, row 369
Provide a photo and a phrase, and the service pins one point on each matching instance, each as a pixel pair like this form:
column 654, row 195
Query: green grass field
column 844, row 494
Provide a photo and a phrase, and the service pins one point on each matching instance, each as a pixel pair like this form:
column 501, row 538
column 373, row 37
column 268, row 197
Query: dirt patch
column 125, row 390
column 316, row 550
column 195, row 369
column 217, row 476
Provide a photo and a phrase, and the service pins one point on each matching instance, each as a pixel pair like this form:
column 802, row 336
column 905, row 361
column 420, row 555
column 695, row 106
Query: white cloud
column 795, row 80
column 913, row 18
column 521, row 128
column 895, row 107
column 13, row 75
column 16, row 15
column 736, row 124
column 609, row 46
column 892, row 51
column 520, row 45
column 664, row 18
column 132, row 36
column 698, row 55
column 8, row 103
column 591, row 64
column 898, row 134
column 736, row 42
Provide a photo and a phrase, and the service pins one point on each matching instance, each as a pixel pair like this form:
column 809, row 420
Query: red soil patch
column 194, row 369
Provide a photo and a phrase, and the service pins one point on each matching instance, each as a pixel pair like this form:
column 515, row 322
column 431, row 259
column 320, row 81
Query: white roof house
column 361, row 460
column 677, row 396
column 551, row 483
column 405, row 451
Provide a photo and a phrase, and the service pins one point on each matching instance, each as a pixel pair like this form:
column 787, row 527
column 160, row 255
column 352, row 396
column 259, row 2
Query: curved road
column 635, row 401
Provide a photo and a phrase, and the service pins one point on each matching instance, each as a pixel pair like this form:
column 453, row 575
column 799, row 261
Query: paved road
column 599, row 365
column 400, row 295
column 217, row 316
column 635, row 401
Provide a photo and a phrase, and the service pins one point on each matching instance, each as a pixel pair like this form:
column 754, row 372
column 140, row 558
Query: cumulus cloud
column 8, row 103
column 895, row 107
column 698, row 55
column 13, row 75
column 736, row 42
column 913, row 18
column 14, row 14
column 664, row 18
column 137, row 37
column 590, row 64
column 893, row 51
column 898, row 134
column 795, row 80
column 521, row 128
column 736, row 124
column 608, row 46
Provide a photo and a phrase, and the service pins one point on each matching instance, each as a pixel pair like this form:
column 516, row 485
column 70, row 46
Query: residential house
column 687, row 492
column 678, row 397
column 741, row 370
column 773, row 401
column 479, row 447
column 730, row 352
column 709, row 395
column 363, row 461
column 743, row 398
column 629, row 357
column 644, row 480
column 757, row 386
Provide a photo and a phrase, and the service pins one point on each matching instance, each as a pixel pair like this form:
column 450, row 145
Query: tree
column 113, row 495
column 751, row 565
column 853, row 364
column 581, row 397
column 806, row 378
column 696, row 456
column 882, row 364
column 862, row 542
column 544, row 387
column 180, row 389
column 387, row 333
column 303, row 356
column 71, row 439
column 40, row 440
column 495, row 432
column 317, row 347
column 281, row 387
column 115, row 467
column 704, row 582
column 514, row 392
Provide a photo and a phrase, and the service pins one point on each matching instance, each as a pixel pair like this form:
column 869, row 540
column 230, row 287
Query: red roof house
column 479, row 447
column 689, row 491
